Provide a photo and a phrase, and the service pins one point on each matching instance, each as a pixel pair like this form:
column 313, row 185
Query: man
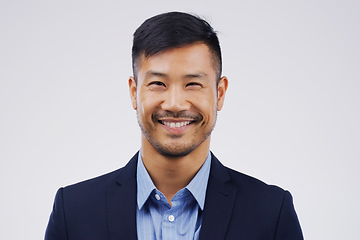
column 174, row 187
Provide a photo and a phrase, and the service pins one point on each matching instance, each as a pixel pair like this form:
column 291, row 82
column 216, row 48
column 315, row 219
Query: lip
column 176, row 126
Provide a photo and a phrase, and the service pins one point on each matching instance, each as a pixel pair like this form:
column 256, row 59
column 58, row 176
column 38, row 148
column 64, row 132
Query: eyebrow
column 152, row 73
column 196, row 75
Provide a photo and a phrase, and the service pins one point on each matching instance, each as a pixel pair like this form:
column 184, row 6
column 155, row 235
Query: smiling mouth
column 177, row 124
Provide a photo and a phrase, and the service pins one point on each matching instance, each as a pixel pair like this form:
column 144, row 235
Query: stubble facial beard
column 171, row 150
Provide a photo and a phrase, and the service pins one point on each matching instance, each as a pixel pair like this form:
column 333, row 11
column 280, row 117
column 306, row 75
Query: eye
column 157, row 83
column 193, row 84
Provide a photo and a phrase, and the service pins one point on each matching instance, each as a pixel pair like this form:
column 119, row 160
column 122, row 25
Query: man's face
column 176, row 98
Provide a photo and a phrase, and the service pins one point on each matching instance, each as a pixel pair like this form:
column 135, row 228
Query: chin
column 174, row 152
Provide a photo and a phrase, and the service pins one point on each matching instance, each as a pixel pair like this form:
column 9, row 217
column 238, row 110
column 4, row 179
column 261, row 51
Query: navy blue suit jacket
column 236, row 207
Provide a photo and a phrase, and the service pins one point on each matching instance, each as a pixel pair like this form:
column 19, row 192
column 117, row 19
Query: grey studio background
column 291, row 115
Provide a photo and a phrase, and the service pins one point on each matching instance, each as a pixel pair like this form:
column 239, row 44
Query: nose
column 175, row 100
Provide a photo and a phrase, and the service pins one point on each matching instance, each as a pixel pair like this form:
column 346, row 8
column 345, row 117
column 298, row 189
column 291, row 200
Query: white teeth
column 176, row 124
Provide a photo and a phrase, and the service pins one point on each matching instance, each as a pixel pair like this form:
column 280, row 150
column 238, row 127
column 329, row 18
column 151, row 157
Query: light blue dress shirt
column 157, row 220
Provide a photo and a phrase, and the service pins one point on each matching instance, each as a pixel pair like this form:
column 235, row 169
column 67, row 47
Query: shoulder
column 246, row 185
column 104, row 182
column 257, row 209
column 252, row 197
column 257, row 193
column 251, row 183
column 95, row 183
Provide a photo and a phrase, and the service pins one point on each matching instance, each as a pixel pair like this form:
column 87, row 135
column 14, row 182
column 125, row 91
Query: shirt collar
column 144, row 183
column 197, row 186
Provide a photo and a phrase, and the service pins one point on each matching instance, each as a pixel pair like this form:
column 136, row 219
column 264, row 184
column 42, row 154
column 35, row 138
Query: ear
column 221, row 90
column 132, row 90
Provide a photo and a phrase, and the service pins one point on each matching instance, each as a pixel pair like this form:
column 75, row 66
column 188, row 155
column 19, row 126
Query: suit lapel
column 121, row 204
column 219, row 203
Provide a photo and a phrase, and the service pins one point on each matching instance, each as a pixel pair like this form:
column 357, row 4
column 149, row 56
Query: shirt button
column 171, row 218
column 157, row 197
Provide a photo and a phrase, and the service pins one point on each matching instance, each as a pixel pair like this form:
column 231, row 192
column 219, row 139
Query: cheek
column 205, row 100
column 147, row 104
column 206, row 106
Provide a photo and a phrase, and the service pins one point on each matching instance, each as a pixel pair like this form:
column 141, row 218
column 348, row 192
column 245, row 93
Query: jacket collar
column 219, row 202
column 121, row 203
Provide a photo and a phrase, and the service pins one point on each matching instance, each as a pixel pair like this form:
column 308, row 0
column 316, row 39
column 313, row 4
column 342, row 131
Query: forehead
column 190, row 58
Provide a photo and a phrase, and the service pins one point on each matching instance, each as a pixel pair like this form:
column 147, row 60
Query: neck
column 170, row 174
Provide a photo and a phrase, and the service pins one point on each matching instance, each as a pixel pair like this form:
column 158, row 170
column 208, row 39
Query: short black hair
column 171, row 30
